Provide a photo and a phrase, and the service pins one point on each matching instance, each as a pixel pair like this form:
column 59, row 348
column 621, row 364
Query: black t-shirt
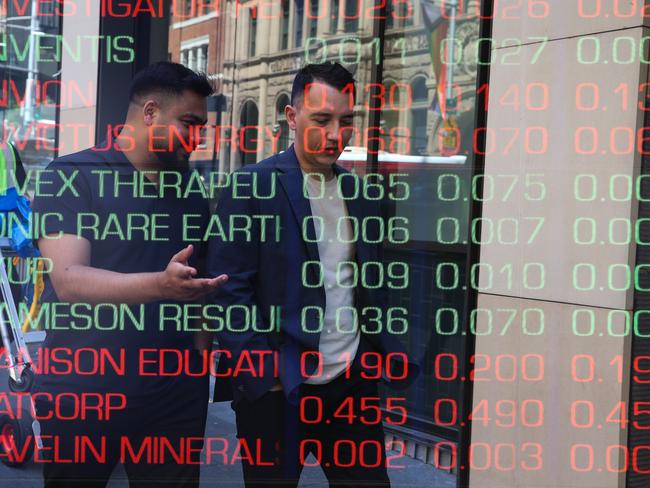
column 132, row 227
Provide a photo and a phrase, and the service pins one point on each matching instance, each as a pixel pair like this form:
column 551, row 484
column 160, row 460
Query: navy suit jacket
column 267, row 272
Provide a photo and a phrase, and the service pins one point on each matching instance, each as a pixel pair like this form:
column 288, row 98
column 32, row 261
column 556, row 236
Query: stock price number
column 367, row 411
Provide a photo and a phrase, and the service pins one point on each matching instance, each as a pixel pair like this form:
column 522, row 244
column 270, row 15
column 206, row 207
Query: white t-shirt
column 339, row 339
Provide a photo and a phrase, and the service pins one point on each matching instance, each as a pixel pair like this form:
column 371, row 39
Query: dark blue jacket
column 269, row 272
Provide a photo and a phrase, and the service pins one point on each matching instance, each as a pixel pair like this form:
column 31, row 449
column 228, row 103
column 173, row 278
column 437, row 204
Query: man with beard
column 327, row 330
column 145, row 268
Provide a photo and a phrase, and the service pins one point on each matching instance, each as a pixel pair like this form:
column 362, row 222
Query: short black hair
column 169, row 78
column 332, row 74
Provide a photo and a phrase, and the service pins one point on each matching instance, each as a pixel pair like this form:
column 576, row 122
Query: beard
column 177, row 160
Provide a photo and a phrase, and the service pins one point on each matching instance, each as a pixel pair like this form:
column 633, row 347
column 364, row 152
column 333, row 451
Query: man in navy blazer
column 304, row 343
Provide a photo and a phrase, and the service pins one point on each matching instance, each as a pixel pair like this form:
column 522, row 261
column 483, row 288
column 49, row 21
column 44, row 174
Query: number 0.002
column 347, row 453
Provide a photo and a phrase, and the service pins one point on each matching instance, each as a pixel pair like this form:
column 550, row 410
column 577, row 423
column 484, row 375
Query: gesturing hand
column 178, row 281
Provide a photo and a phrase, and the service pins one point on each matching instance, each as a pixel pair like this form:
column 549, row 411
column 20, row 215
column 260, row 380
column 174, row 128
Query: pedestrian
column 114, row 236
column 297, row 297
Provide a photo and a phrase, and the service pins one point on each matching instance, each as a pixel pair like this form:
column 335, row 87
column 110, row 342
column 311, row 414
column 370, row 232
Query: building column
column 556, row 327
column 264, row 31
column 264, row 35
column 274, row 27
column 241, row 28
column 228, row 26
column 305, row 23
column 366, row 24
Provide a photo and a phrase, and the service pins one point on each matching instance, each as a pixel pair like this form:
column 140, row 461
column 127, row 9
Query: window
column 256, row 90
column 29, row 103
column 406, row 10
column 281, row 125
column 203, row 59
column 194, row 54
column 390, row 15
column 419, row 125
column 351, row 19
column 252, row 32
column 390, row 118
column 334, row 15
column 313, row 20
column 284, row 29
column 399, row 14
column 299, row 17
column 253, row 93
column 48, row 15
column 248, row 122
column 419, row 134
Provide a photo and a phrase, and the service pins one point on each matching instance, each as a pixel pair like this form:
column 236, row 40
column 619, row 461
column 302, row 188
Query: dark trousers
column 350, row 452
column 173, row 417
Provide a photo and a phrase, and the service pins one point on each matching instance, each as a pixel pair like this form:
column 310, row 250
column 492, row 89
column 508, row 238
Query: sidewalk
column 221, row 419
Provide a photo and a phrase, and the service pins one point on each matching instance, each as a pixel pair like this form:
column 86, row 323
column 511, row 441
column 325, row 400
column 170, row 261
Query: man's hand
column 75, row 280
column 177, row 282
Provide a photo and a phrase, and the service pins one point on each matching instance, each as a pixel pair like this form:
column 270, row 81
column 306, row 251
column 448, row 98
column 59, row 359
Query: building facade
column 556, row 373
column 266, row 42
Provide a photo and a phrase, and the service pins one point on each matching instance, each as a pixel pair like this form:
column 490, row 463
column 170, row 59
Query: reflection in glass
column 252, row 33
column 284, row 36
column 425, row 101
column 433, row 108
column 334, row 15
column 30, row 90
column 352, row 12
column 298, row 22
column 419, row 116
column 313, row 15
column 248, row 123
column 281, row 122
